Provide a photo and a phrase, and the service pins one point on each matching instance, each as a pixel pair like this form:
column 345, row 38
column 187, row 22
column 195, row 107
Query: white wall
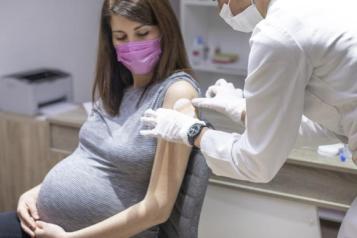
column 176, row 6
column 51, row 33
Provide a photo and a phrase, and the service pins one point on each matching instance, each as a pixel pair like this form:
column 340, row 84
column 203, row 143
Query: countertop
column 304, row 156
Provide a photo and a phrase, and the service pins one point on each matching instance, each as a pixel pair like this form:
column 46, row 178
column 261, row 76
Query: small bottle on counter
column 344, row 153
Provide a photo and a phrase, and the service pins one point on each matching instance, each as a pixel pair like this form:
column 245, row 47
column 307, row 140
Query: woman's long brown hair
column 112, row 77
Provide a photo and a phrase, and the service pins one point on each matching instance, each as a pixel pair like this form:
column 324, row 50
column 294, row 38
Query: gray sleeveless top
column 110, row 170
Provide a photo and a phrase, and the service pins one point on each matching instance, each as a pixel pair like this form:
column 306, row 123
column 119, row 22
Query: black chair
column 184, row 219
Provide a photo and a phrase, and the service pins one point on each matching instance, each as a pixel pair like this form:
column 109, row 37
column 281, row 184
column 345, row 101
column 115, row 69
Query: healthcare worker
column 301, row 89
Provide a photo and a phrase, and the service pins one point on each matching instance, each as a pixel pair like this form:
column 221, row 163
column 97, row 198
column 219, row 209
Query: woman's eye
column 120, row 38
column 142, row 34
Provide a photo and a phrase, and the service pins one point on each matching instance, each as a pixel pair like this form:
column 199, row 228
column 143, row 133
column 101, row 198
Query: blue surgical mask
column 244, row 21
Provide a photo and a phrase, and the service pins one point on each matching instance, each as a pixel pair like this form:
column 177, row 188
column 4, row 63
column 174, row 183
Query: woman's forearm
column 139, row 217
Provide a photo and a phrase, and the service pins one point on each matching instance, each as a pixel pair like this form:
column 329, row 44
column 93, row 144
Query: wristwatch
column 195, row 130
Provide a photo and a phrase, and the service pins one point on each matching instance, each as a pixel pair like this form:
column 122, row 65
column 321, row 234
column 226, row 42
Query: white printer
column 27, row 92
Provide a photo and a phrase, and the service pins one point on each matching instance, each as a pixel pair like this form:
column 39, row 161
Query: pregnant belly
column 75, row 195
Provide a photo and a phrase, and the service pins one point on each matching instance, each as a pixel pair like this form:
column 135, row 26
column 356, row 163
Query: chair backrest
column 185, row 216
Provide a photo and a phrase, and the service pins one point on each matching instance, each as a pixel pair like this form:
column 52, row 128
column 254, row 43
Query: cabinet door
column 5, row 172
column 232, row 213
column 24, row 161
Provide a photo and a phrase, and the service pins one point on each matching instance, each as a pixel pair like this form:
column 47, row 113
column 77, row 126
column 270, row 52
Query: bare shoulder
column 178, row 90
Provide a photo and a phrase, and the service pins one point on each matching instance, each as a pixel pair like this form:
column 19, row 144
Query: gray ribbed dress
column 110, row 170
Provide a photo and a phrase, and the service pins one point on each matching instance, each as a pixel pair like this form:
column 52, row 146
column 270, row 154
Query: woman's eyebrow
column 138, row 27
column 118, row 31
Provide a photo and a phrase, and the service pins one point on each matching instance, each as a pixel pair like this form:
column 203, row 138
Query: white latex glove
column 224, row 98
column 171, row 125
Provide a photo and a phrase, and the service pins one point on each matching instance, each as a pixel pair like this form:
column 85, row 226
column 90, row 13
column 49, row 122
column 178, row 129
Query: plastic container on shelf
column 198, row 54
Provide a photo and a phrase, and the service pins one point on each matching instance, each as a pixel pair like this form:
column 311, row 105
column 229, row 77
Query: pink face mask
column 140, row 57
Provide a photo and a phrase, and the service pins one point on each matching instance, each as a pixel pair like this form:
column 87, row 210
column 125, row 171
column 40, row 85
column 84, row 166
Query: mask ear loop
column 229, row 2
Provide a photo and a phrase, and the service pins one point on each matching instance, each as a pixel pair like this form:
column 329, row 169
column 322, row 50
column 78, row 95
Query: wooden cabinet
column 64, row 132
column 23, row 156
column 30, row 147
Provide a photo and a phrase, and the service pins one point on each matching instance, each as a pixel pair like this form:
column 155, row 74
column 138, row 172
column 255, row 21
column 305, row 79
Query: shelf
column 220, row 69
column 201, row 3
column 201, row 18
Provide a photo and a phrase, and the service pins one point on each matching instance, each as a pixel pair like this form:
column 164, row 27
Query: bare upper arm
column 178, row 90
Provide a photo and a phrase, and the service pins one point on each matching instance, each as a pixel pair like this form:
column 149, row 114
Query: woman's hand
column 47, row 230
column 27, row 211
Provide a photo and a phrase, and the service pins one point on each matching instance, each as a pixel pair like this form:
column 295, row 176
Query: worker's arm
column 313, row 134
column 310, row 134
column 274, row 90
column 167, row 175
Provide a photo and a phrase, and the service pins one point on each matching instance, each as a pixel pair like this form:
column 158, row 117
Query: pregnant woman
column 118, row 183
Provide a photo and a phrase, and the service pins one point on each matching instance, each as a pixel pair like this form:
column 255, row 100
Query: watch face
column 194, row 130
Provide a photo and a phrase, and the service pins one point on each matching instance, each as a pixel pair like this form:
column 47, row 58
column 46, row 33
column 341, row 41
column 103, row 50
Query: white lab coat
column 303, row 61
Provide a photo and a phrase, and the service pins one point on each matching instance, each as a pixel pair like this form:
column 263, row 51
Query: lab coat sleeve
column 216, row 146
column 313, row 134
column 274, row 90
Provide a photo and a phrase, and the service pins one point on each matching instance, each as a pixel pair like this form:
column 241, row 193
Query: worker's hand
column 27, row 211
column 223, row 97
column 170, row 125
column 47, row 230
